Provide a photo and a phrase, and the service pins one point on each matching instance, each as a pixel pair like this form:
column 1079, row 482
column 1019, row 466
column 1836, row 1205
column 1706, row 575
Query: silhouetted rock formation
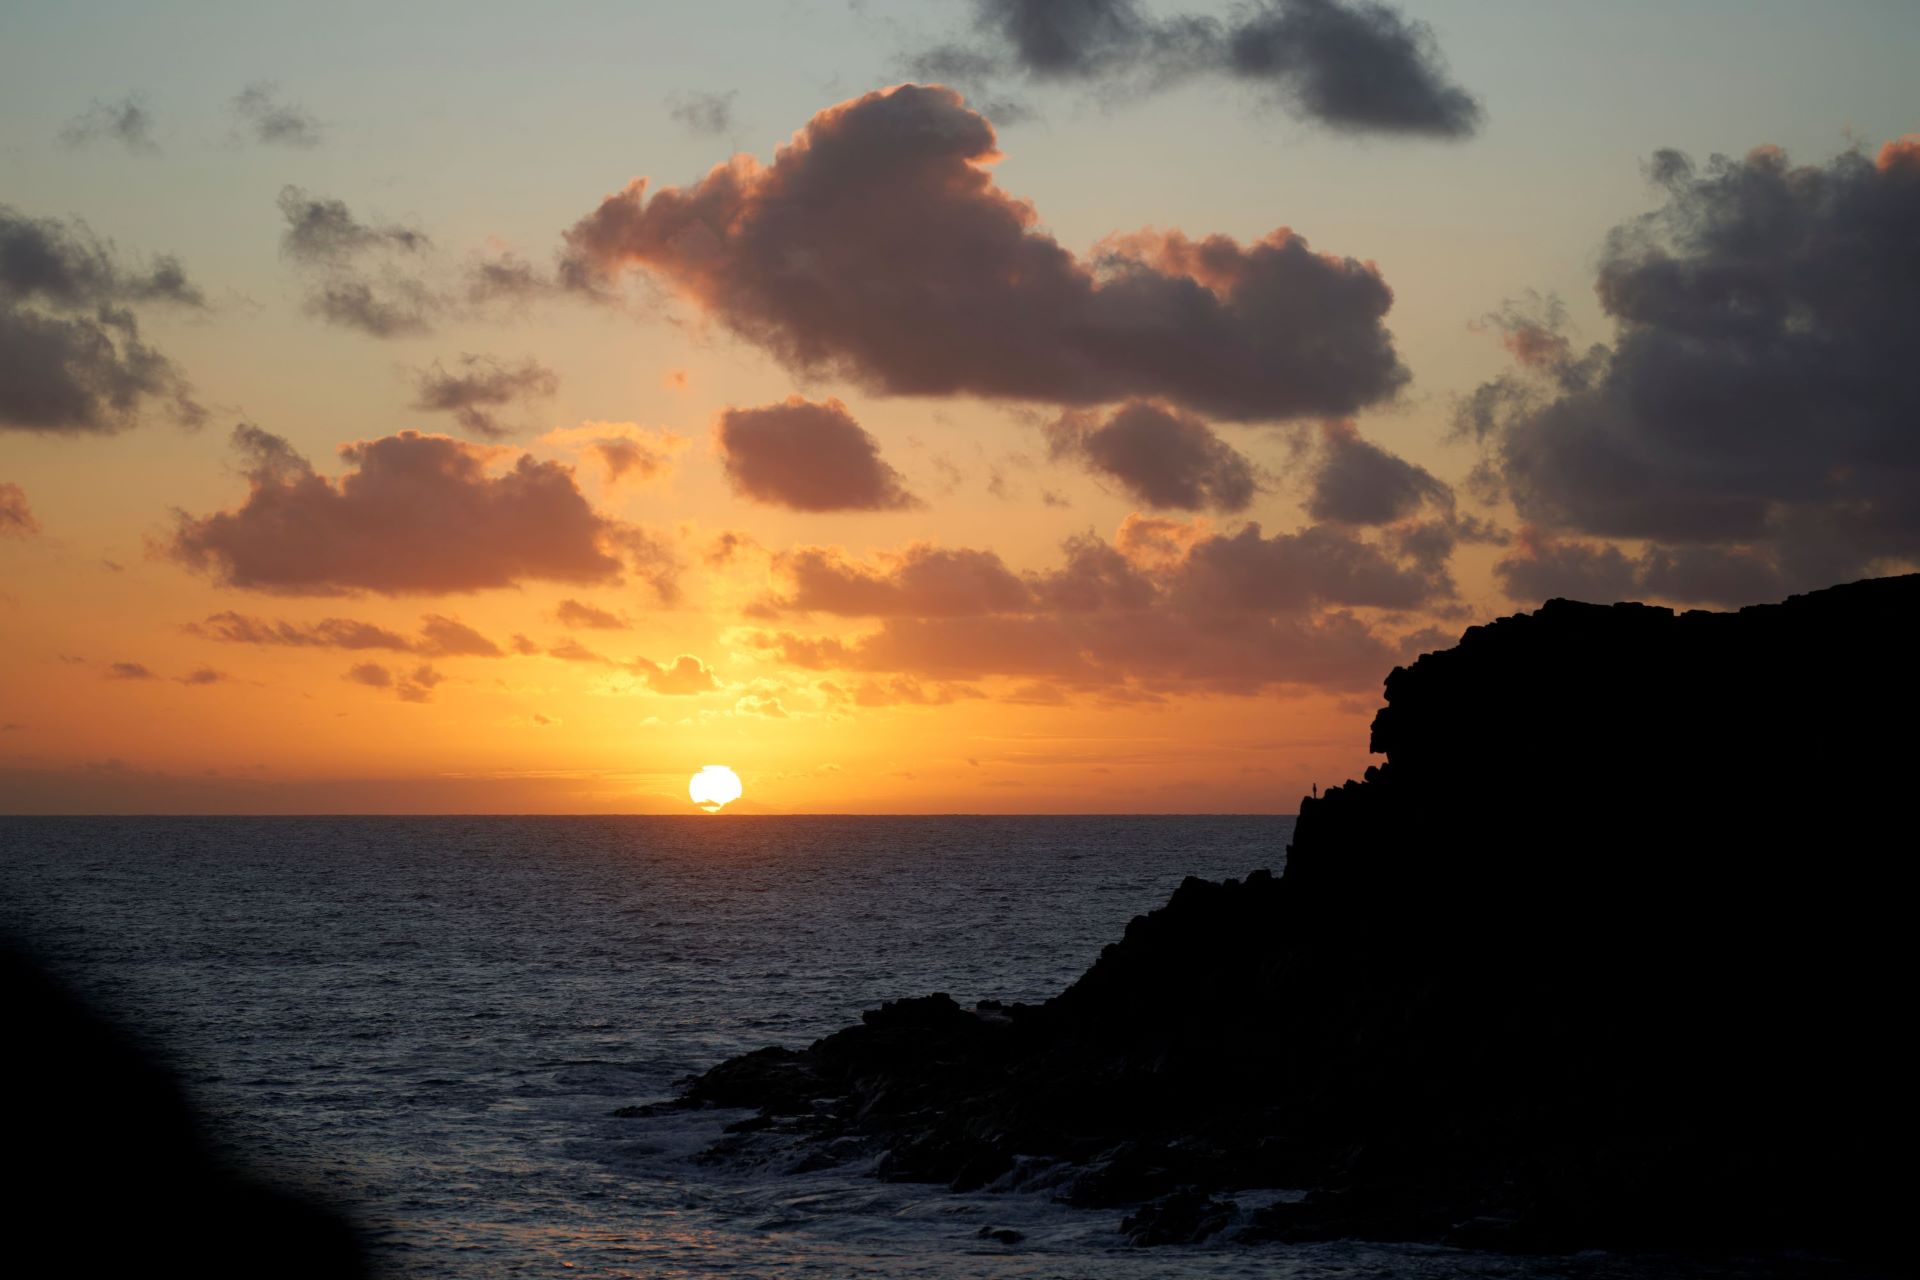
column 107, row 1171
column 1610, row 951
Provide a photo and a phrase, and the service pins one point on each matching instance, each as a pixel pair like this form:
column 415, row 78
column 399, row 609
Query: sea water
column 430, row 1021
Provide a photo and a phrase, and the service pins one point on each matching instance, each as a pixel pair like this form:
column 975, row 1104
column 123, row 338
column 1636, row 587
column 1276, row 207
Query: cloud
column 362, row 275
column 685, row 676
column 71, row 357
column 409, row 686
column 16, row 517
column 1356, row 482
column 707, row 115
column 1350, row 65
column 877, row 246
column 921, row 581
column 1544, row 567
column 126, row 122
column 755, row 704
column 897, row 691
column 265, row 118
column 203, row 676
column 413, row 514
column 1355, row 67
column 129, row 671
column 625, row 451
column 1181, row 607
column 482, row 385
column 1161, row 457
column 573, row 613
column 808, row 457
column 1751, row 423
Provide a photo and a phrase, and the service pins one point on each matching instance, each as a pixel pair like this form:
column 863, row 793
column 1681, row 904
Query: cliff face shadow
column 109, row 1172
column 1605, row 953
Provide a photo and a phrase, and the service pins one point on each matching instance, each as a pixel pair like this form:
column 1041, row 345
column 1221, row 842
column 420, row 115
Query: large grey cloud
column 1161, row 457
column 72, row 359
column 878, row 246
column 808, row 456
column 1753, row 420
column 413, row 514
column 1351, row 65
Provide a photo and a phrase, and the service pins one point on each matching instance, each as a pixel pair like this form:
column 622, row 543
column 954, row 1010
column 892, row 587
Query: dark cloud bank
column 1753, row 420
column 1356, row 67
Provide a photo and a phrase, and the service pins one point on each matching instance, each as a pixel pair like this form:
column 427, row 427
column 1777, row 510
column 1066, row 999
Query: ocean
column 430, row 1021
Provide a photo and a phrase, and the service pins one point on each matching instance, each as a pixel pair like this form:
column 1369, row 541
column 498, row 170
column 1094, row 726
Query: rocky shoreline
column 1609, row 952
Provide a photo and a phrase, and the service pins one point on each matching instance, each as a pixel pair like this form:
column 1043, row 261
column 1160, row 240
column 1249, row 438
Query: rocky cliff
column 1611, row 950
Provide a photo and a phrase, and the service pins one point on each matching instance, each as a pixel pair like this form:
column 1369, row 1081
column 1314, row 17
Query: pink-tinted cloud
column 1182, row 607
column 575, row 613
column 409, row 686
column 439, row 636
column 16, row 517
column 413, row 514
column 685, row 675
column 878, row 246
column 808, row 457
column 1161, row 457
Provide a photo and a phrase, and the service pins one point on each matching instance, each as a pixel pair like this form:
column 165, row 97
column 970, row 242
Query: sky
column 978, row 406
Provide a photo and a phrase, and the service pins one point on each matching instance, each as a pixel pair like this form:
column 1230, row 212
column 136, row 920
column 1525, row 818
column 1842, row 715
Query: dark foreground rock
column 1612, row 951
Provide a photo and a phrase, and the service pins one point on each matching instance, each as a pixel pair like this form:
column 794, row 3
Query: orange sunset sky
column 912, row 432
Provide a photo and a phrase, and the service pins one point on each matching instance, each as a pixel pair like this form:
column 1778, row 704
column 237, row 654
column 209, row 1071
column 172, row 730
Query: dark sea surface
column 430, row 1020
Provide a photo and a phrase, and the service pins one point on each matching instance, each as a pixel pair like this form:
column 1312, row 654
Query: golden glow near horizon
column 714, row 787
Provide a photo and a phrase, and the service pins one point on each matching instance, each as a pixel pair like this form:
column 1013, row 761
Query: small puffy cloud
column 808, row 457
column 203, row 676
column 756, row 704
column 416, row 685
column 1751, row 422
column 451, row 638
column 265, row 118
column 877, row 246
column 72, row 360
column 362, row 276
column 708, row 115
column 371, row 674
column 129, row 671
column 574, row 613
column 126, row 121
column 1351, row 65
column 1357, row 482
column 16, row 517
column 478, row 387
column 684, row 676
column 625, row 451
column 412, row 514
column 1161, row 457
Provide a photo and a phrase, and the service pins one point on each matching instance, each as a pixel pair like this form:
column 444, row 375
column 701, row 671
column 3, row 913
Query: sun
column 714, row 787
